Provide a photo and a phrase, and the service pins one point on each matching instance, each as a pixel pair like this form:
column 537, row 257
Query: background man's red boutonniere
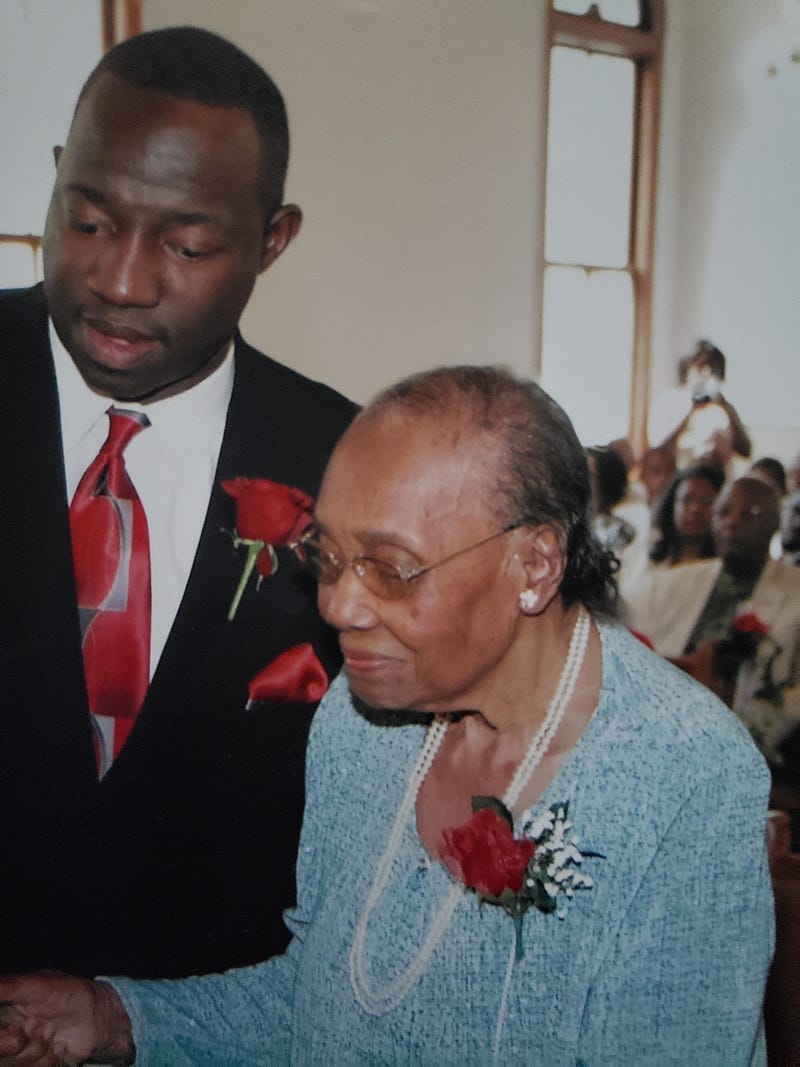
column 538, row 869
column 269, row 515
column 747, row 622
column 296, row 676
column 746, row 632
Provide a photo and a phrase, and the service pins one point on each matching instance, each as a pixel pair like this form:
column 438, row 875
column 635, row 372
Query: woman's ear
column 544, row 562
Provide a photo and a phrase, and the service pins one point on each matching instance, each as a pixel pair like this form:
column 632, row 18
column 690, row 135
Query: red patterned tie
column 111, row 551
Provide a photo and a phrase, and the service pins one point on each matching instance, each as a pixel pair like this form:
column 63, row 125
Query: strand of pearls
column 555, row 712
column 501, row 1015
column 381, row 1002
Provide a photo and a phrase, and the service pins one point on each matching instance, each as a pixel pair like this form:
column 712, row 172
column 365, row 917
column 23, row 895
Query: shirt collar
column 184, row 417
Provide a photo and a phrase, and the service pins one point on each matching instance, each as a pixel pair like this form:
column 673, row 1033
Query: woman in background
column 683, row 519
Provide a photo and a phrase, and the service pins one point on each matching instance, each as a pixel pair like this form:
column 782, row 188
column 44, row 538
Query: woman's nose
column 346, row 603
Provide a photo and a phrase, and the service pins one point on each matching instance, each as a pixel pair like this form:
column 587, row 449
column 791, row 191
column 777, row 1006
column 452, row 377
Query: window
column 604, row 82
column 64, row 39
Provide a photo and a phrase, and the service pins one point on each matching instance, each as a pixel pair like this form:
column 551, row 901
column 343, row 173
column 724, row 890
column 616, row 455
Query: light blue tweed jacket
column 663, row 961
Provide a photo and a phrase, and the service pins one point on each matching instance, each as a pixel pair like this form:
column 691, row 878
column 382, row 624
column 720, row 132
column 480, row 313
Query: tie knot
column 123, row 427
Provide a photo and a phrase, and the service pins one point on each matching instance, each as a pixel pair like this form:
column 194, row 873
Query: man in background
column 734, row 624
column 155, row 835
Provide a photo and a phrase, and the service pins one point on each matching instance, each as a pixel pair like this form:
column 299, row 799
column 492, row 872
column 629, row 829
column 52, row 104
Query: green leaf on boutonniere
column 495, row 805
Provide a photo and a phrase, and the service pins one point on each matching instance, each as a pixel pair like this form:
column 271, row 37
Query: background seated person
column 619, row 523
column 473, row 605
column 609, row 483
column 771, row 471
column 656, row 471
column 683, row 519
column 790, row 529
column 688, row 613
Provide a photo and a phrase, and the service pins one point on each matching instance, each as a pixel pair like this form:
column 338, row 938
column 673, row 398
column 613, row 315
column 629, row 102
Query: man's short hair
column 194, row 64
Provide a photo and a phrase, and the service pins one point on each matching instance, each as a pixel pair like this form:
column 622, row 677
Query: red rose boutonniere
column 746, row 632
column 538, row 869
column 296, row 676
column 269, row 515
column 747, row 622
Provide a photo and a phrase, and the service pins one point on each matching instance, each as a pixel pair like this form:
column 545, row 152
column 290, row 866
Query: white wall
column 415, row 127
column 729, row 219
column 417, row 157
column 47, row 47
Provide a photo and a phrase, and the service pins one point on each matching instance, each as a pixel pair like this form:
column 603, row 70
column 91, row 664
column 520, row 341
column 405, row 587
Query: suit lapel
column 202, row 634
column 35, row 540
column 769, row 594
column 37, row 550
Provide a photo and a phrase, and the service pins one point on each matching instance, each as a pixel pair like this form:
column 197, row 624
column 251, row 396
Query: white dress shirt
column 172, row 464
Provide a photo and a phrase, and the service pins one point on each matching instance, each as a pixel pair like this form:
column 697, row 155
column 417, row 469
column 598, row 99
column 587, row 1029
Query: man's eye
column 190, row 249
column 84, row 227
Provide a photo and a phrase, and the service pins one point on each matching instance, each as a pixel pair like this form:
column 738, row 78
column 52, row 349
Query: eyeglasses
column 390, row 581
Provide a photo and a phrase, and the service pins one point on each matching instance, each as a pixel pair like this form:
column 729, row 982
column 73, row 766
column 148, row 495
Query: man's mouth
column 116, row 345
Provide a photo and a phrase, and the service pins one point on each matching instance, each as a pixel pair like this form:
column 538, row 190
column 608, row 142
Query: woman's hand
column 50, row 1019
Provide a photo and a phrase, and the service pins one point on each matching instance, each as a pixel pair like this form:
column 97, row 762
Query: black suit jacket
column 182, row 859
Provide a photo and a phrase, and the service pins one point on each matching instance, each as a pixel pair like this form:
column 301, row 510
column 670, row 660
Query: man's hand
column 18, row 1048
column 52, row 1018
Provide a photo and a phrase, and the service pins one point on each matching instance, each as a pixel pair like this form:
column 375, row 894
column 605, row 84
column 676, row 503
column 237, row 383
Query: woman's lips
column 361, row 662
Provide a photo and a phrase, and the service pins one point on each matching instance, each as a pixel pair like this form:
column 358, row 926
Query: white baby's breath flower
column 536, row 828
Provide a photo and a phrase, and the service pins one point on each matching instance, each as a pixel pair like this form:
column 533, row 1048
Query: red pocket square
column 296, row 676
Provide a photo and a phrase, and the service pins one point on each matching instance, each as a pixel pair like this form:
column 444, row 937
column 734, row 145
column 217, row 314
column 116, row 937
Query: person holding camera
column 696, row 422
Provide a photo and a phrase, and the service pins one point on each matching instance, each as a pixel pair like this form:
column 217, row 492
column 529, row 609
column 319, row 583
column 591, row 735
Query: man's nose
column 126, row 273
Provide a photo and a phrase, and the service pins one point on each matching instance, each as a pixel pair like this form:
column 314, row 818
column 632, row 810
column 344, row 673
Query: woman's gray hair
column 541, row 476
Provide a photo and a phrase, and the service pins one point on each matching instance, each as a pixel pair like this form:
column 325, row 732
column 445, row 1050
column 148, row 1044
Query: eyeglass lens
column 380, row 578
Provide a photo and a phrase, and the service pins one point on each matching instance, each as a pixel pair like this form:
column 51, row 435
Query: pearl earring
column 528, row 599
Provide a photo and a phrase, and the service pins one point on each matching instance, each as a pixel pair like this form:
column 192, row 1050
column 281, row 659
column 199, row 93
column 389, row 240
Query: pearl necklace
column 380, row 1002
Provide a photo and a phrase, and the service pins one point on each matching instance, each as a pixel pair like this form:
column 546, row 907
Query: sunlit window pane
column 587, row 347
column 19, row 265
column 47, row 47
column 623, row 12
column 589, row 151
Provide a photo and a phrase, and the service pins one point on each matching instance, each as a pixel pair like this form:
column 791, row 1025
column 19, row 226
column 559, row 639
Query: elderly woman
column 527, row 838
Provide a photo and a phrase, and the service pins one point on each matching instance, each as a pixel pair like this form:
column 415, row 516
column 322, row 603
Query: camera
column 705, row 391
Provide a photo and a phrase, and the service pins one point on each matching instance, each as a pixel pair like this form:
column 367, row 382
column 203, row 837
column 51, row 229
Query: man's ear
column 57, row 150
column 282, row 229
column 544, row 562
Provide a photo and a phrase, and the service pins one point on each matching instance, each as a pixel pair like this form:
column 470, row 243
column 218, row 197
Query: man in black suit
column 168, row 203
